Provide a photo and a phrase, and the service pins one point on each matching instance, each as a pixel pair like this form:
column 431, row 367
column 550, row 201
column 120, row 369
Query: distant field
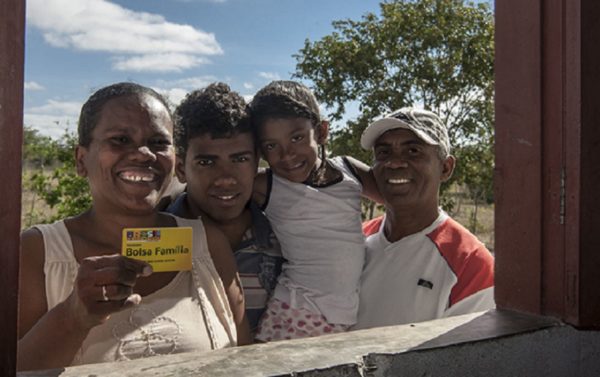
column 484, row 229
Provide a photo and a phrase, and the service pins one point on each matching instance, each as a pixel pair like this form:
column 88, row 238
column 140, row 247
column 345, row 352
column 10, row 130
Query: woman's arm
column 39, row 330
column 365, row 173
column 50, row 339
column 224, row 262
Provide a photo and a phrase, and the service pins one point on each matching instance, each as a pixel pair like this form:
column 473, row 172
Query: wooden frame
column 12, row 36
column 547, row 163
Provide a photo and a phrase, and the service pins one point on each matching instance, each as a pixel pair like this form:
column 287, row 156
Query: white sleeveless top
column 191, row 313
column 320, row 232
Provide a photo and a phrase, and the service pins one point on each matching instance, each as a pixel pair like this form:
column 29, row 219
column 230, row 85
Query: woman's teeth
column 137, row 177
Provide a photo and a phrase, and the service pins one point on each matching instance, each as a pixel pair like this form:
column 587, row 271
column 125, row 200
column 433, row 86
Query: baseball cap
column 425, row 124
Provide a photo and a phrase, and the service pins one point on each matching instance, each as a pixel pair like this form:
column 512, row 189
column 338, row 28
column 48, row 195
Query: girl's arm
column 224, row 262
column 50, row 339
column 365, row 173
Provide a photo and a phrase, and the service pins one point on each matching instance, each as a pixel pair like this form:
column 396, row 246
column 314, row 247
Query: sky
column 74, row 47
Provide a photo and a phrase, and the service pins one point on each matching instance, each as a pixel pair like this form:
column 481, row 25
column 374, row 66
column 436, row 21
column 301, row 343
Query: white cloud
column 57, row 107
column 53, row 118
column 32, row 85
column 248, row 85
column 139, row 41
column 175, row 90
column 269, row 75
column 174, row 95
column 158, row 62
column 190, row 83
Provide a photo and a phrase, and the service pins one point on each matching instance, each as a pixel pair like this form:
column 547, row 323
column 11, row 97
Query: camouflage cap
column 425, row 124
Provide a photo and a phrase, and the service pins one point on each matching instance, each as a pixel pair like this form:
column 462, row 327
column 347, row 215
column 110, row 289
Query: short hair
column 91, row 109
column 284, row 99
column 215, row 110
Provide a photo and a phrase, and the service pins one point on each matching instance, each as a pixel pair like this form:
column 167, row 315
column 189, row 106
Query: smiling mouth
column 293, row 167
column 137, row 177
column 398, row 181
column 226, row 198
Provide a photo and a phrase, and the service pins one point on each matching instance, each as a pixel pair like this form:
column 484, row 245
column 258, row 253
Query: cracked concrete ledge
column 331, row 355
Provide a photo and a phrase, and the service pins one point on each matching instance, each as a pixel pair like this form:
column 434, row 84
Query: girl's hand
column 104, row 285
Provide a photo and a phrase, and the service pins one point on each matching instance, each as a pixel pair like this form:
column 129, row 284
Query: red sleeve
column 372, row 226
column 468, row 258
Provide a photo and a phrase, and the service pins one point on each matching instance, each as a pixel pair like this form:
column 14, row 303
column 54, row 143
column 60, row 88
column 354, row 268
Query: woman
column 80, row 301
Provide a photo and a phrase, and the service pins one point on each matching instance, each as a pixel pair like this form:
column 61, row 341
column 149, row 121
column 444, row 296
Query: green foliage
column 38, row 150
column 436, row 54
column 57, row 185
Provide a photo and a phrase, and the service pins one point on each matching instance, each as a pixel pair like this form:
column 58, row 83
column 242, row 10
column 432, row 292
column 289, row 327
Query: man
column 420, row 264
column 217, row 159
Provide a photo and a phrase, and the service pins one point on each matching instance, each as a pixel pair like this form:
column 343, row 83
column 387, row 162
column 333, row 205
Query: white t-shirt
column 441, row 271
column 320, row 232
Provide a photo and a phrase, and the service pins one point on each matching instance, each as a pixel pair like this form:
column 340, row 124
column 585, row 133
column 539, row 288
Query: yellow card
column 166, row 249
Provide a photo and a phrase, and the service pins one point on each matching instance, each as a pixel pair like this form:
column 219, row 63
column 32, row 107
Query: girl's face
column 290, row 146
column 129, row 162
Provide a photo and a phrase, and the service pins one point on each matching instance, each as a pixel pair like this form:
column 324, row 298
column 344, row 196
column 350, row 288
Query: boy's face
column 219, row 174
column 290, row 146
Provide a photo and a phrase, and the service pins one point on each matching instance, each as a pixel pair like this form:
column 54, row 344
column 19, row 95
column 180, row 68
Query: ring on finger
column 104, row 296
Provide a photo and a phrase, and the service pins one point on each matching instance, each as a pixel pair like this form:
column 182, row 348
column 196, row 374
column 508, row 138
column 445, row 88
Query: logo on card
column 151, row 235
column 166, row 249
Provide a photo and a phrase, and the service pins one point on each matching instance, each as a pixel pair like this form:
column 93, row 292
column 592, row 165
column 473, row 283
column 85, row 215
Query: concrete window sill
column 426, row 347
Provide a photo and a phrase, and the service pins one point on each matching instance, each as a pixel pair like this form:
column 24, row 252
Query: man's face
column 219, row 174
column 409, row 172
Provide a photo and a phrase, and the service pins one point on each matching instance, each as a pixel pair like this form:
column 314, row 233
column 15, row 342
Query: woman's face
column 129, row 162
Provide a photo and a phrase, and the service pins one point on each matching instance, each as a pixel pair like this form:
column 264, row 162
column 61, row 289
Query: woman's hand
column 71, row 320
column 104, row 285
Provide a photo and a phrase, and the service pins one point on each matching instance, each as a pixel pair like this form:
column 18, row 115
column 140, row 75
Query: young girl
column 313, row 204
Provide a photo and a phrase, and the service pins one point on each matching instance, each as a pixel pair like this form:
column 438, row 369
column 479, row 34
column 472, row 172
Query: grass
column 483, row 227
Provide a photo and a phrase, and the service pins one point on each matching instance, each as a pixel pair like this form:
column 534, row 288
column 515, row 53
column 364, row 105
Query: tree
column 38, row 150
column 436, row 54
column 60, row 187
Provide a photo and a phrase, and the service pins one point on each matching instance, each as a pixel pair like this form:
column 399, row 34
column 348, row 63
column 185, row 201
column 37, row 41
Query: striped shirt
column 258, row 259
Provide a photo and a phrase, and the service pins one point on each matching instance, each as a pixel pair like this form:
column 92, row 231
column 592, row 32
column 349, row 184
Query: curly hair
column 215, row 110
column 91, row 109
column 284, row 99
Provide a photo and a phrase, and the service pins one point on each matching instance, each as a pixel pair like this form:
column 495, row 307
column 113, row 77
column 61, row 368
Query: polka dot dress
column 280, row 322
